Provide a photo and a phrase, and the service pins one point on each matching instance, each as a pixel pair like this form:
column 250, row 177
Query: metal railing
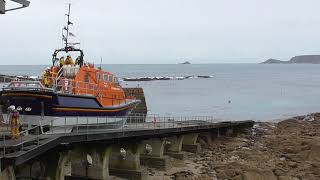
column 6, row 79
column 88, row 125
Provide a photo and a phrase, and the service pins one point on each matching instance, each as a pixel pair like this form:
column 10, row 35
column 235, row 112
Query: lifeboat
column 70, row 92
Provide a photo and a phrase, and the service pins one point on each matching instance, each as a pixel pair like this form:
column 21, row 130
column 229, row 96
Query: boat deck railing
column 37, row 135
column 26, row 85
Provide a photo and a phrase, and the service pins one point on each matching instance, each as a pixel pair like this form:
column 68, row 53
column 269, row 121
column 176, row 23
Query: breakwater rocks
column 164, row 78
column 288, row 150
column 9, row 78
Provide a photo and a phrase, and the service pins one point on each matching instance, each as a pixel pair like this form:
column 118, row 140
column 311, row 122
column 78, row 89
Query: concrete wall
column 140, row 108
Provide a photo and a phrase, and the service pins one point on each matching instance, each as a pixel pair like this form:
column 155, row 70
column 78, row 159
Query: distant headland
column 304, row 59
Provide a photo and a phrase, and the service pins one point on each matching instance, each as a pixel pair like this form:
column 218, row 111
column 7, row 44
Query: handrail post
column 97, row 122
column 173, row 123
column 77, row 124
column 38, row 139
column 107, row 121
column 51, row 126
column 65, row 124
column 4, row 145
column 122, row 128
column 87, row 125
column 21, row 141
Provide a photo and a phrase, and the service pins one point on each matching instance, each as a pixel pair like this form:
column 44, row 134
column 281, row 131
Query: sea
column 258, row 92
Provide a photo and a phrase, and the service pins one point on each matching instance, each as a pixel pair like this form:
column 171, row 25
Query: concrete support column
column 53, row 166
column 125, row 161
column 99, row 169
column 206, row 139
column 229, row 131
column 190, row 144
column 174, row 147
column 8, row 173
column 57, row 166
column 216, row 133
column 152, row 154
column 79, row 162
column 91, row 163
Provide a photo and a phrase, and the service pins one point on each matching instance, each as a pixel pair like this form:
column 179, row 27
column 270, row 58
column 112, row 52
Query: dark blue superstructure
column 54, row 104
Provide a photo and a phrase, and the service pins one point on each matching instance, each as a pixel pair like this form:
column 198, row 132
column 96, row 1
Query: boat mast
column 67, row 27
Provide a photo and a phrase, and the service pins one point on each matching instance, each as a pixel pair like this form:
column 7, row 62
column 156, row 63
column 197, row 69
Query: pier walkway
column 30, row 146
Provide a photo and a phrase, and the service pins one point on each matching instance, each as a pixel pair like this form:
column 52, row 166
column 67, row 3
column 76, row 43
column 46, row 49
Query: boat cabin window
column 86, row 78
column 105, row 77
column 111, row 78
column 98, row 76
column 116, row 81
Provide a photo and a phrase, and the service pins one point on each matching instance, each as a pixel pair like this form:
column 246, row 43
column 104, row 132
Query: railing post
column 77, row 124
column 51, row 126
column 136, row 123
column 38, row 139
column 172, row 123
column 65, row 124
column 87, row 124
column 21, row 141
column 4, row 145
column 97, row 122
column 122, row 129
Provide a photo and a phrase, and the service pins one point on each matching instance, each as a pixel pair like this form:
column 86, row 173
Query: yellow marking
column 26, row 94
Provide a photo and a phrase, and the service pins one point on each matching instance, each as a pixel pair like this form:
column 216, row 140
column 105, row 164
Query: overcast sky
column 164, row 31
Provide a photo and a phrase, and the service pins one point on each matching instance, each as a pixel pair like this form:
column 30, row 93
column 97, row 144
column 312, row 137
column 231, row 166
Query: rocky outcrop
column 186, row 62
column 274, row 61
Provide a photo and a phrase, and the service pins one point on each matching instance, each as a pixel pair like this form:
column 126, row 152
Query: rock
column 259, row 175
column 292, row 164
column 287, row 178
column 279, row 172
column 239, row 177
column 186, row 62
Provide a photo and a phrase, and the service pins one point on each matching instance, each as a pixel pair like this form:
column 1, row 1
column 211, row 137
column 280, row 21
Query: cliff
column 304, row 59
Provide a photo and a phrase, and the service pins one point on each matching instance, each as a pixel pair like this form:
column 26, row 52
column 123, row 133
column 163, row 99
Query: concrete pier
column 190, row 144
column 99, row 169
column 8, row 173
column 125, row 153
column 154, row 156
column 124, row 161
column 174, row 147
column 91, row 162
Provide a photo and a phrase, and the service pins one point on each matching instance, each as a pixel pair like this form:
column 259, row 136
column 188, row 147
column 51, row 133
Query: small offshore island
column 303, row 59
column 186, row 62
